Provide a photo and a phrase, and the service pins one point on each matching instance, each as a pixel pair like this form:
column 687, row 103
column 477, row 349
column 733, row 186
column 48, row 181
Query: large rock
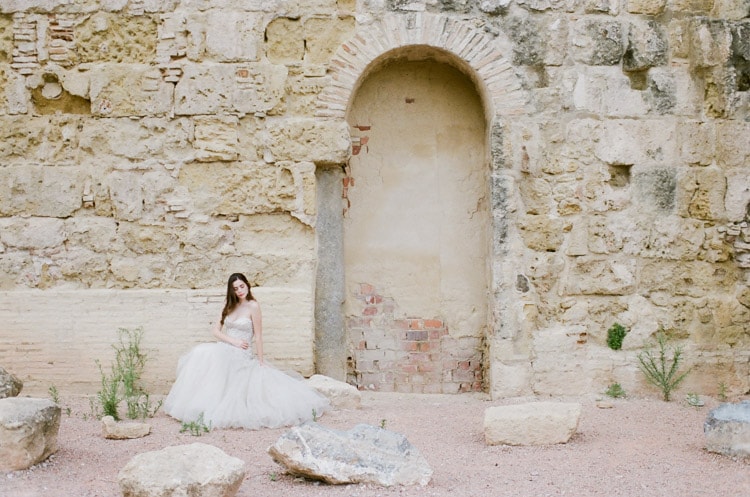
column 341, row 394
column 536, row 423
column 727, row 429
column 197, row 470
column 28, row 431
column 114, row 430
column 10, row 385
column 364, row 454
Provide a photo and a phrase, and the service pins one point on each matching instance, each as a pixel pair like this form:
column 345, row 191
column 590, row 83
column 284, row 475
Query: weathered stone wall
column 158, row 145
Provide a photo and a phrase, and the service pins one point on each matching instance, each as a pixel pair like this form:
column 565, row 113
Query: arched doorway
column 416, row 228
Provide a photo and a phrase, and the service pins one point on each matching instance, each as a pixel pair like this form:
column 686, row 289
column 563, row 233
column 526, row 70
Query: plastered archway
column 481, row 58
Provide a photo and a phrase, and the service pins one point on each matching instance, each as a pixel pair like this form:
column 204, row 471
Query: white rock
column 28, row 431
column 536, row 423
column 341, row 394
column 198, row 470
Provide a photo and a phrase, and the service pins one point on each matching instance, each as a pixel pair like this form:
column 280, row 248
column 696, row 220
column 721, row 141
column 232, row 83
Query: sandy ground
column 638, row 447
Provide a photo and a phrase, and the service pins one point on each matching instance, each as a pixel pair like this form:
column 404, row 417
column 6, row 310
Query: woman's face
column 240, row 289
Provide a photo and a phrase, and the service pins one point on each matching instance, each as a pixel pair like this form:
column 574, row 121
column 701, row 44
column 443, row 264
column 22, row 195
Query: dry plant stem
column 662, row 371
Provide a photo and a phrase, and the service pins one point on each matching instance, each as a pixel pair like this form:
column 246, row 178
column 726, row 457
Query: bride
column 227, row 381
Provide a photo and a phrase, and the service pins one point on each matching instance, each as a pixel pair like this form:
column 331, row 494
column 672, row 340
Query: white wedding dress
column 231, row 389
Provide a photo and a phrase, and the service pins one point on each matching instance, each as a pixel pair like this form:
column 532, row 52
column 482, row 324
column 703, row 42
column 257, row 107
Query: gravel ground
column 638, row 448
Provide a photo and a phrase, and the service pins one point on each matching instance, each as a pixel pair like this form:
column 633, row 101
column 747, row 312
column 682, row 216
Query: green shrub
column 615, row 334
column 615, row 391
column 660, row 370
column 123, row 382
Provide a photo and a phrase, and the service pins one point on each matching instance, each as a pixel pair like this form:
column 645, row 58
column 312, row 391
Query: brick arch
column 476, row 49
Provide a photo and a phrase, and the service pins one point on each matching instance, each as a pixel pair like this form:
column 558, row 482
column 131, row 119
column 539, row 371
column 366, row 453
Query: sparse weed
column 615, row 391
column 694, row 400
column 660, row 370
column 383, row 423
column 123, row 382
column 54, row 394
column 197, row 427
column 722, row 394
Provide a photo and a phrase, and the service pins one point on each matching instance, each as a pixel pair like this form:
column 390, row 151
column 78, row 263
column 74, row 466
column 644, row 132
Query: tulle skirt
column 231, row 389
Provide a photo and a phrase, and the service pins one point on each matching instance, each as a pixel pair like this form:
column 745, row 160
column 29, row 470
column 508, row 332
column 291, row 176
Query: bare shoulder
column 253, row 305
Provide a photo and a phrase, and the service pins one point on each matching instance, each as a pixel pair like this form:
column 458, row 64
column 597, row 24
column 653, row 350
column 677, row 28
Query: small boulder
column 536, row 423
column 10, row 385
column 197, row 470
column 341, row 394
column 28, row 431
column 727, row 429
column 114, row 430
column 364, row 454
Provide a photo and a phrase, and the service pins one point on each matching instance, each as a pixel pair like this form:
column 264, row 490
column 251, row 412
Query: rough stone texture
column 341, row 394
column 196, row 469
column 28, row 431
column 10, row 385
column 727, row 429
column 647, row 46
column 364, row 454
column 537, row 423
column 114, row 430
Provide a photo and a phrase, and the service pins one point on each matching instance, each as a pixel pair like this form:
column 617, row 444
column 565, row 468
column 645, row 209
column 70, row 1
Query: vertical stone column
column 330, row 342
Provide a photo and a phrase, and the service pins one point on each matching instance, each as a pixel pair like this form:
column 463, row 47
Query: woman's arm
column 223, row 337
column 255, row 315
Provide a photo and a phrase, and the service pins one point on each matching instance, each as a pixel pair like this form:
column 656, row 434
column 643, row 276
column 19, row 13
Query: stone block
column 32, row 233
column 737, row 200
column 647, row 46
column 730, row 9
column 627, row 142
column 668, row 237
column 323, row 36
column 607, row 91
column 701, row 193
column 245, row 88
column 285, row 41
column 28, row 431
column 691, row 6
column 596, row 276
column 647, row 7
column 113, row 430
column 536, row 423
column 598, row 42
column 195, row 469
column 543, row 233
column 710, row 43
column 696, row 142
column 339, row 393
column 732, row 146
column 727, row 429
column 111, row 37
column 140, row 141
column 321, row 142
column 231, row 35
column 124, row 90
column 216, row 138
column 44, row 191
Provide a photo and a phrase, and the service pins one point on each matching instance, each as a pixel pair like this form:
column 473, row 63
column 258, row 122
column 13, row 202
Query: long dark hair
column 232, row 301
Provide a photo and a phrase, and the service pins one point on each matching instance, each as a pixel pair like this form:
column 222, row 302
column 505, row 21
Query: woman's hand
column 243, row 344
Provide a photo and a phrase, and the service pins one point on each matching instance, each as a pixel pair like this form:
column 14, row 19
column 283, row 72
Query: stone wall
column 158, row 145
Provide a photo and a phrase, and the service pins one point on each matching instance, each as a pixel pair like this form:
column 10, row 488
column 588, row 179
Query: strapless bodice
column 240, row 328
